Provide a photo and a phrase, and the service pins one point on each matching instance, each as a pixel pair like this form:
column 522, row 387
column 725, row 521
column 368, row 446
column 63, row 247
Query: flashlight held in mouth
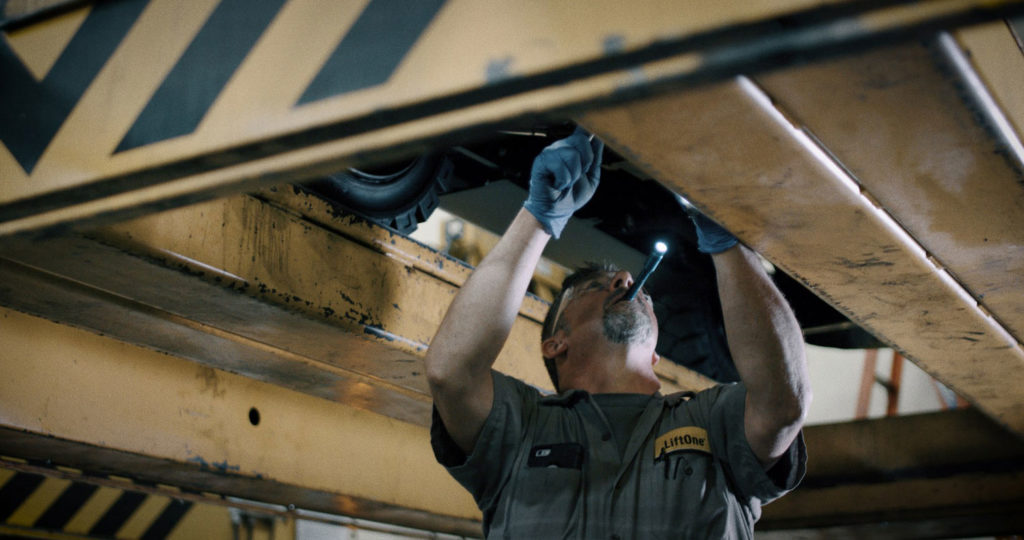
column 652, row 262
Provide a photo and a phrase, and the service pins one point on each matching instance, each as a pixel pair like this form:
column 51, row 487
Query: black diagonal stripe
column 15, row 491
column 31, row 112
column 165, row 523
column 197, row 79
column 372, row 49
column 61, row 511
column 118, row 514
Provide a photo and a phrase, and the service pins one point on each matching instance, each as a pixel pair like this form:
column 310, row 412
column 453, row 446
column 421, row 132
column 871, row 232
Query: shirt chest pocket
column 547, row 488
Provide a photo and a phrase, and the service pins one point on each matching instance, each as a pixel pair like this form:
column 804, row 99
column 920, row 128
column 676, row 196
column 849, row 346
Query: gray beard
column 627, row 326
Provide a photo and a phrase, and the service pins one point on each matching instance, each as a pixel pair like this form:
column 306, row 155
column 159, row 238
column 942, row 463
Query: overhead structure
column 148, row 105
column 869, row 180
column 869, row 149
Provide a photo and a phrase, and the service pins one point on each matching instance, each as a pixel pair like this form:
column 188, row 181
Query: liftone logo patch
column 691, row 438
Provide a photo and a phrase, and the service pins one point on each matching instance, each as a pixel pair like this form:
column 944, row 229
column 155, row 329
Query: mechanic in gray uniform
column 609, row 456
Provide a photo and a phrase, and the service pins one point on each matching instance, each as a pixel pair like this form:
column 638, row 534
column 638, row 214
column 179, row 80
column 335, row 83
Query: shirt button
column 688, row 471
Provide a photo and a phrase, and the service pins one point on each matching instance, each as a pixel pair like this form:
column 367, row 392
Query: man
column 609, row 457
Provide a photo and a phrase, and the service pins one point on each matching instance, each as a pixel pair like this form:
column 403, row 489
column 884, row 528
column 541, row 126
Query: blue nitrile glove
column 563, row 178
column 711, row 237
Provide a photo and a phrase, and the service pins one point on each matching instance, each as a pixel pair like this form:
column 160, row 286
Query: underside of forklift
column 210, row 296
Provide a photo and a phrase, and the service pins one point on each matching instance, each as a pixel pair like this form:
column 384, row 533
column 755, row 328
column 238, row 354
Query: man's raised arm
column 765, row 342
column 479, row 320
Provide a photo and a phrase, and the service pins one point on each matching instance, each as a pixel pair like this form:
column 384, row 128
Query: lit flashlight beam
column 652, row 262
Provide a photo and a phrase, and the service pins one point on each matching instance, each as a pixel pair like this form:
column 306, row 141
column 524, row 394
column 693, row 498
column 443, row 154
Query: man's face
column 599, row 301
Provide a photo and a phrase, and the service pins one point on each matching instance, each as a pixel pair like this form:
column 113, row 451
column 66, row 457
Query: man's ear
column 655, row 358
column 554, row 346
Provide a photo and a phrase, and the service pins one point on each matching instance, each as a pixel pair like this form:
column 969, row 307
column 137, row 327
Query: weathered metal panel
column 900, row 477
column 150, row 105
column 89, row 402
column 732, row 153
column 278, row 287
column 906, row 124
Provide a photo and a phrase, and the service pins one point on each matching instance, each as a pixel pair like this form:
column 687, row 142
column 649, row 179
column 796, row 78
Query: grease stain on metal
column 222, row 466
column 379, row 332
column 498, row 69
column 863, row 263
column 613, row 44
column 348, row 299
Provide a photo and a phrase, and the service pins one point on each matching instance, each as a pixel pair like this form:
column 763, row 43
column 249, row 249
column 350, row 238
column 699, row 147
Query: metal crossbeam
column 105, row 407
column 953, row 473
column 278, row 287
column 149, row 106
column 749, row 161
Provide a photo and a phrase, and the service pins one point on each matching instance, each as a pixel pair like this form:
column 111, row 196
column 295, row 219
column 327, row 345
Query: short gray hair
column 583, row 274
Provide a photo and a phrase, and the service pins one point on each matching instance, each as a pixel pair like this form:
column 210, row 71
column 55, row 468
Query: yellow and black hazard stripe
column 37, row 506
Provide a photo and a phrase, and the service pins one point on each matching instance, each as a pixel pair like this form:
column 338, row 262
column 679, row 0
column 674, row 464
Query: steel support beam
column 733, row 153
column 102, row 407
column 278, row 287
column 920, row 135
column 80, row 400
column 950, row 474
column 150, row 106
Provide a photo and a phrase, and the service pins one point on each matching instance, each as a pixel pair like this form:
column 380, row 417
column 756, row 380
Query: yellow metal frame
column 277, row 287
column 742, row 161
column 96, row 404
column 318, row 321
column 468, row 64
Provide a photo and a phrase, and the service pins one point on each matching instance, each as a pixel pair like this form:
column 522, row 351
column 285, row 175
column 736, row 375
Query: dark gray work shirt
column 549, row 467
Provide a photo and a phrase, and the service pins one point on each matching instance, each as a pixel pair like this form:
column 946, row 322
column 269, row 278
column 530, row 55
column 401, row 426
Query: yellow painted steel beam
column 901, row 477
column 160, row 106
column 92, row 405
column 278, row 287
column 730, row 151
column 89, row 402
column 923, row 143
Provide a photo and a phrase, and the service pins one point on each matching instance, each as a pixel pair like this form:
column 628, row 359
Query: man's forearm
column 480, row 317
column 767, row 347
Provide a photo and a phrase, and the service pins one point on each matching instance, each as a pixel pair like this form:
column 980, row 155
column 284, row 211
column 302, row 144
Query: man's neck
column 609, row 376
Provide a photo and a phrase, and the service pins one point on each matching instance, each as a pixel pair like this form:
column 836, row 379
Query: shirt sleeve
column 487, row 468
column 742, row 466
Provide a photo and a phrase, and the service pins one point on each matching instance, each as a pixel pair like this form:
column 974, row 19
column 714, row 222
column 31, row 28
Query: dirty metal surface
column 121, row 108
column 951, row 473
column 84, row 401
column 732, row 153
column 277, row 287
column 93, row 404
column 907, row 125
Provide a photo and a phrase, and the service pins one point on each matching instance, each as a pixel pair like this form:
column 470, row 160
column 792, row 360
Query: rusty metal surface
column 732, row 153
column 106, row 152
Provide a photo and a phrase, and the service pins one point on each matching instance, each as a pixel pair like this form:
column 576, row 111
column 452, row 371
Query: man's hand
column 711, row 237
column 563, row 178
